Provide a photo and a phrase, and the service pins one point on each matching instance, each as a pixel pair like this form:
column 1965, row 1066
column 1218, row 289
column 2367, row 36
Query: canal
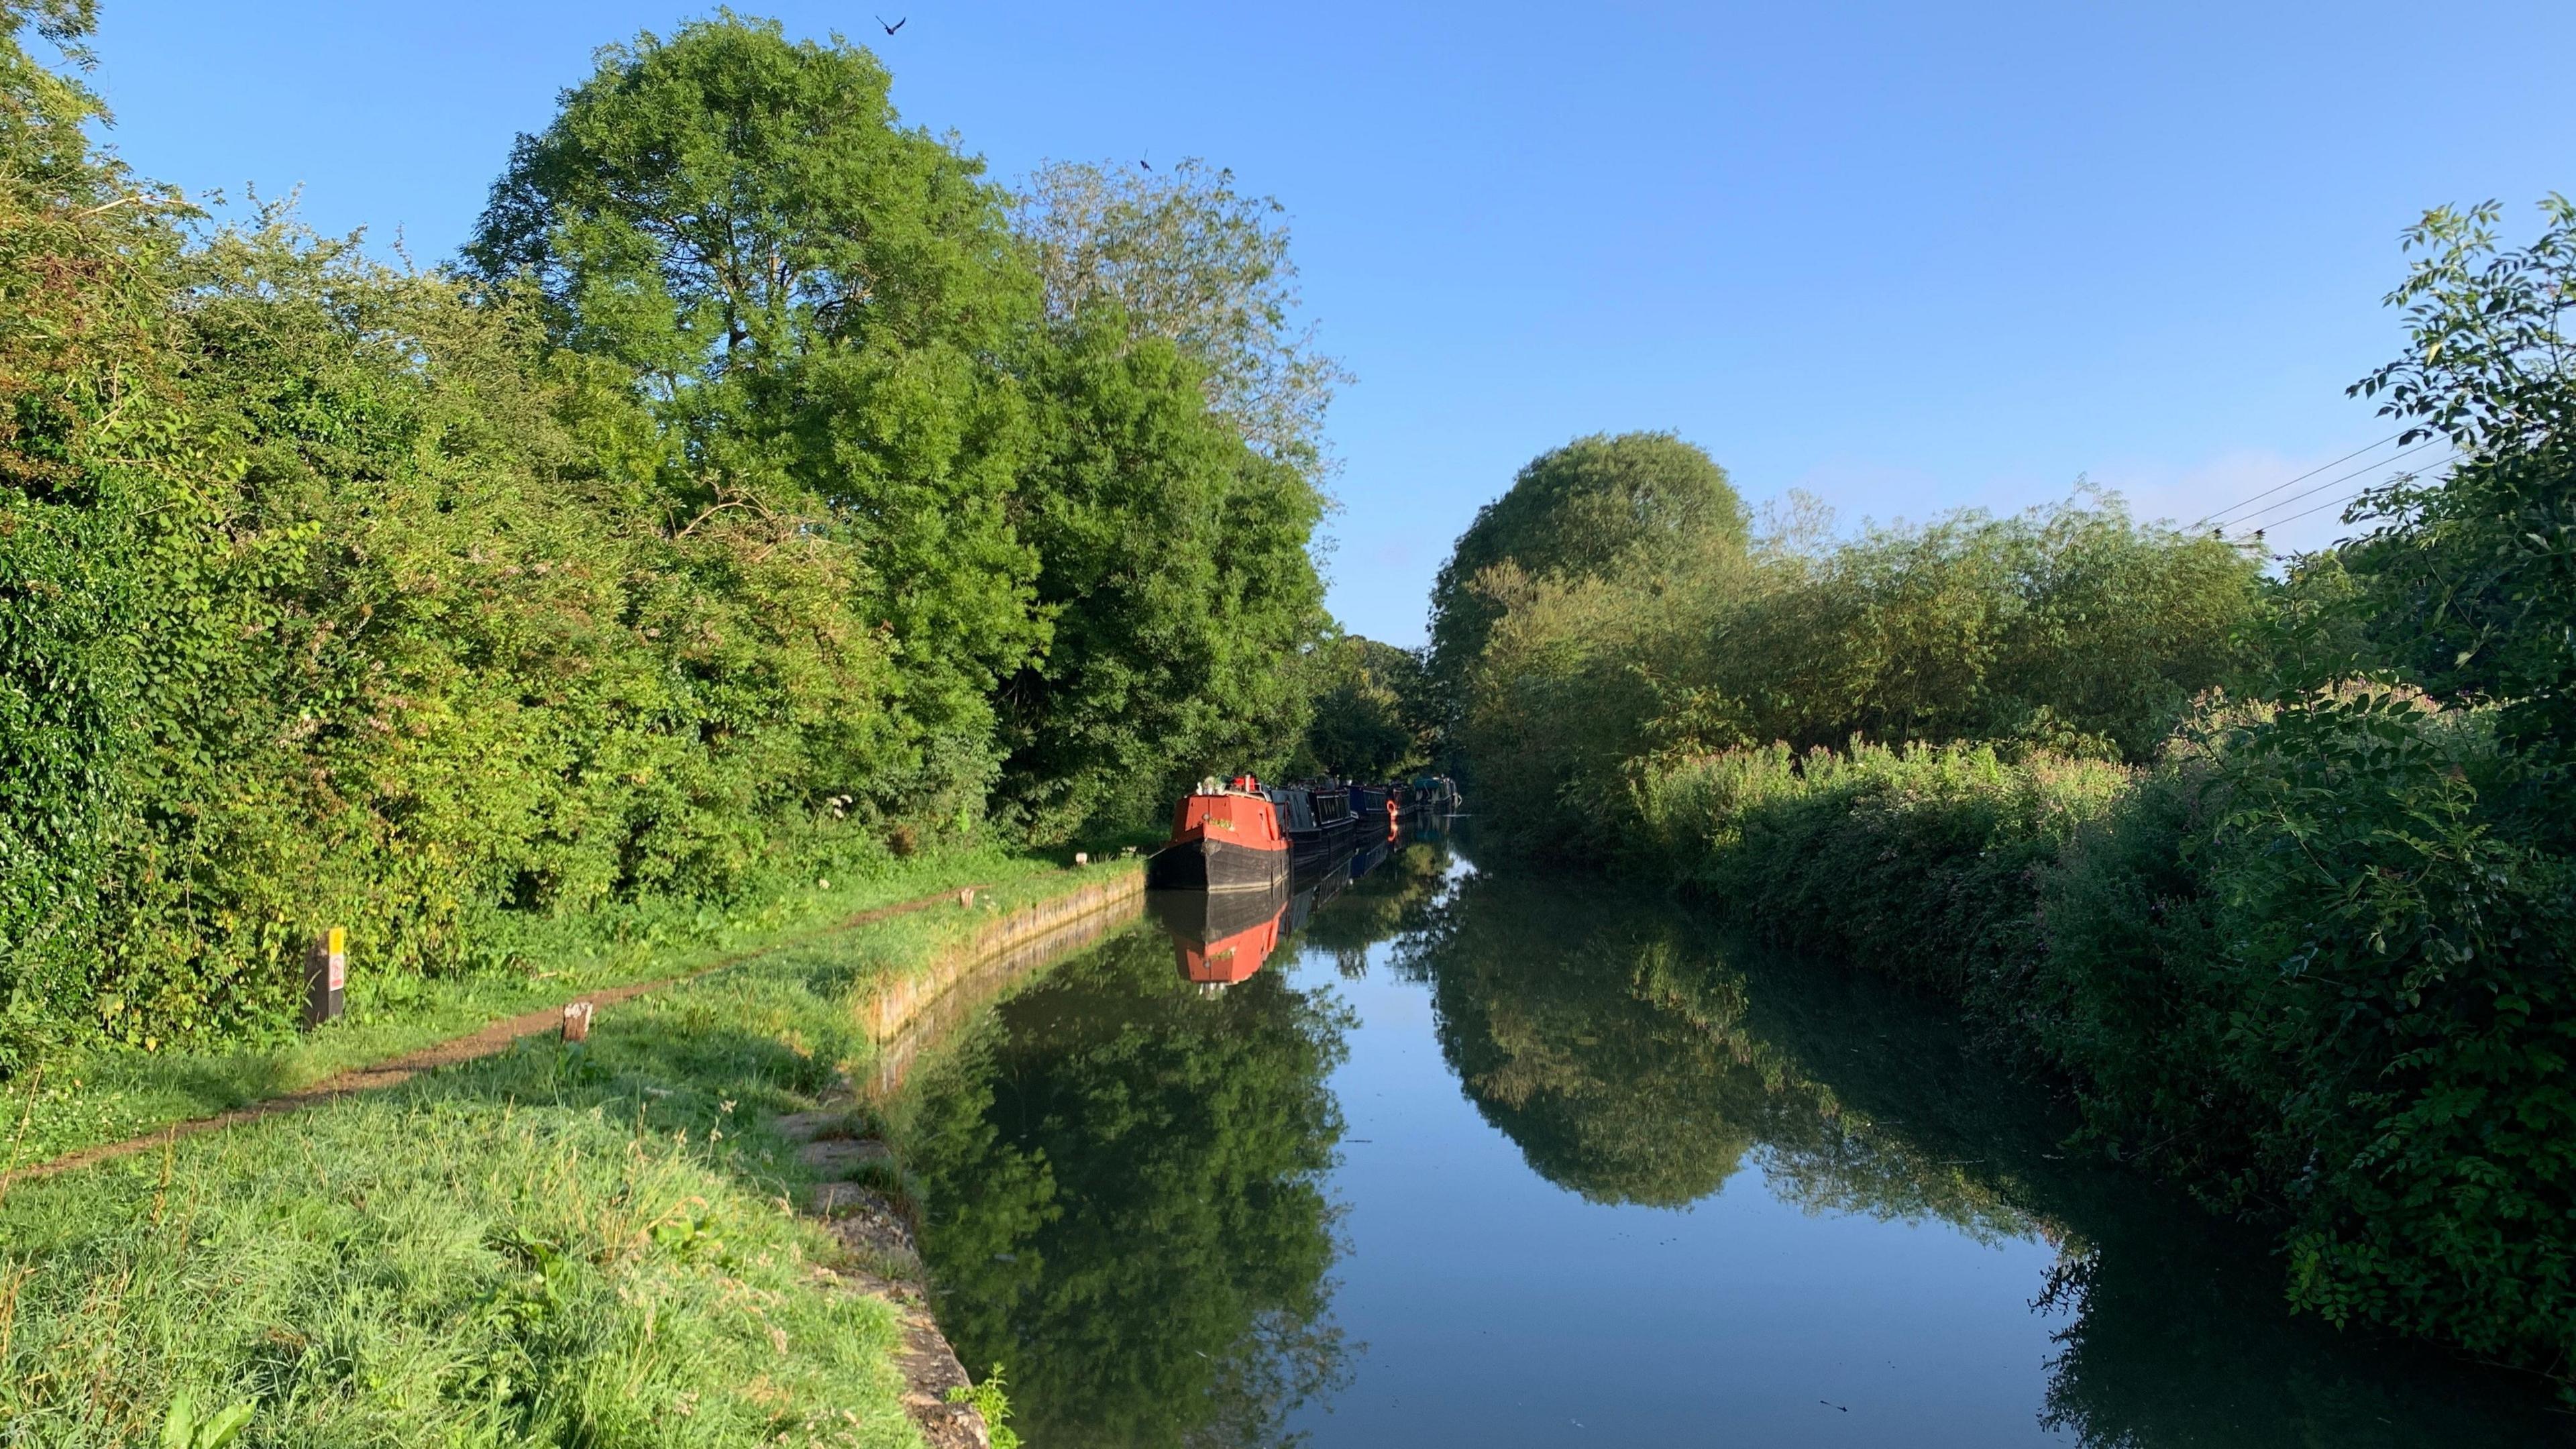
column 1469, row 1157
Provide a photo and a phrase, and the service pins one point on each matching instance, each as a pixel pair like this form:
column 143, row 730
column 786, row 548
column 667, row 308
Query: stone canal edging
column 856, row 1177
column 904, row 1014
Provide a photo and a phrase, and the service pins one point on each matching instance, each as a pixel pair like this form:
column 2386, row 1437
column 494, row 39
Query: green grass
column 925, row 936
column 108, row 1095
column 560, row 1245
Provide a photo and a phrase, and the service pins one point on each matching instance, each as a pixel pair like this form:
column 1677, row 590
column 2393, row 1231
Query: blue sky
column 1903, row 257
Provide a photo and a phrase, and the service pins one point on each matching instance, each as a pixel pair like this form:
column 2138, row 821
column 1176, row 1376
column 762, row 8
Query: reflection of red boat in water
column 1223, row 937
column 1241, row 871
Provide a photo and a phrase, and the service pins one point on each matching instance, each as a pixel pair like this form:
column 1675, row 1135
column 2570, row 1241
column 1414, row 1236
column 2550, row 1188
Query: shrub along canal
column 1489, row 1159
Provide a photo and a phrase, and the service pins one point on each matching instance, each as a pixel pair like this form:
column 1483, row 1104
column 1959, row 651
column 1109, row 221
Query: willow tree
column 1185, row 256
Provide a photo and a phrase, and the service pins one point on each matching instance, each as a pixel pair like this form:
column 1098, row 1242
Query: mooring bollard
column 326, row 976
column 576, row 1021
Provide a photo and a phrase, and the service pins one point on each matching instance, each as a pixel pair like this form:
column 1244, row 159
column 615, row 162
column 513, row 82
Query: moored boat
column 1328, row 811
column 1225, row 837
column 1434, row 795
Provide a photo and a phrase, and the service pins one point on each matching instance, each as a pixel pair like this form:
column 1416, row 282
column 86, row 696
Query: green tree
column 2072, row 626
column 1598, row 505
column 2468, row 584
column 430, row 653
column 2071, row 629
column 1174, row 575
column 734, row 504
column 1369, row 721
column 1188, row 258
column 811, row 298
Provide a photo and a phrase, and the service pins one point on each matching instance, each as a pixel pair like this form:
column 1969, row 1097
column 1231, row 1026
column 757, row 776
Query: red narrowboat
column 1225, row 837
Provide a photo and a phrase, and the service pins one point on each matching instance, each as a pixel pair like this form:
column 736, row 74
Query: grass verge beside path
column 561, row 1244
column 91, row 1098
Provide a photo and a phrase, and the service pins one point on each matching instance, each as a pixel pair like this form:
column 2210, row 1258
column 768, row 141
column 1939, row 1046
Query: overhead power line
column 2336, row 481
column 2266, row 525
column 2311, row 473
column 2320, row 508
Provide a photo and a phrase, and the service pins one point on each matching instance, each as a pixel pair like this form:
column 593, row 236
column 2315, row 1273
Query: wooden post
column 326, row 976
column 576, row 1021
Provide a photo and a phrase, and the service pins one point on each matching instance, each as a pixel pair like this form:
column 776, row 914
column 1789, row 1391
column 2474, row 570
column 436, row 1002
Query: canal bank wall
column 967, row 953
column 986, row 940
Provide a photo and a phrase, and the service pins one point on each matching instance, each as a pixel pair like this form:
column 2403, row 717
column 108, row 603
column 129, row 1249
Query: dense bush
column 2071, row 630
column 2402, row 1006
column 2296, row 966
column 1924, row 861
column 86, row 434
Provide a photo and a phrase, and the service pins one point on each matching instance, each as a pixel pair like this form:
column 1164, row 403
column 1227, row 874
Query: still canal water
column 1473, row 1158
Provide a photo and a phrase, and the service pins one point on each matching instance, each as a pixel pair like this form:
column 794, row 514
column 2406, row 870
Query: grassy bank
column 1922, row 863
column 106, row 1094
column 562, row 1244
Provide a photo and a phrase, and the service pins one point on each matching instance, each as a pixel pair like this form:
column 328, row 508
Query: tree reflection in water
column 1633, row 1058
column 1126, row 1192
column 1123, row 1197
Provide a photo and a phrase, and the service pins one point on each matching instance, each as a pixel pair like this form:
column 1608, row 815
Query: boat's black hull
column 1214, row 865
column 1323, row 839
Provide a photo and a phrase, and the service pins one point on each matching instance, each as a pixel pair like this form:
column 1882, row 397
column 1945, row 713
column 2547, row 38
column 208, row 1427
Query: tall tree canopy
column 1175, row 577
column 1596, row 505
column 735, row 509
column 810, row 297
column 1090, row 583
column 1187, row 257
column 1173, row 496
